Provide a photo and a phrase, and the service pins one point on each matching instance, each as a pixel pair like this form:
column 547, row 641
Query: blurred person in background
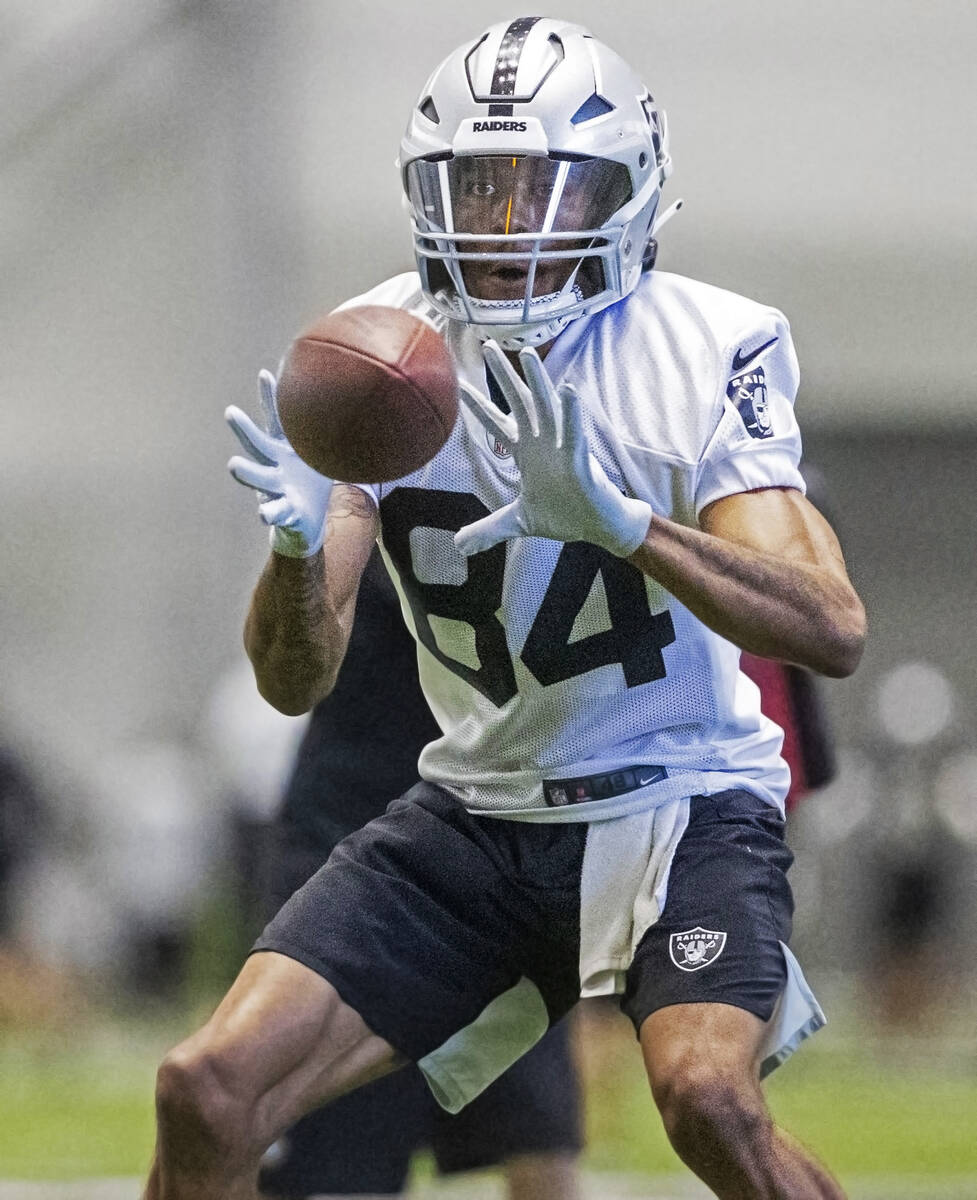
column 250, row 750
column 23, row 827
column 913, row 859
column 359, row 752
column 102, row 874
column 157, row 850
column 911, row 964
column 791, row 698
column 456, row 928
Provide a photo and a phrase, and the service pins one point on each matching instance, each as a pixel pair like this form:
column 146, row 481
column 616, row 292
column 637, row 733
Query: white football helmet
column 532, row 164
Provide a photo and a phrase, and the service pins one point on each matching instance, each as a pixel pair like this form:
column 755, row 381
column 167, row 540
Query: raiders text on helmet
column 533, row 164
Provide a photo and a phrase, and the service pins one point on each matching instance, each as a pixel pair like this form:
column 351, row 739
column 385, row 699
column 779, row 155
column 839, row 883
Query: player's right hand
column 292, row 497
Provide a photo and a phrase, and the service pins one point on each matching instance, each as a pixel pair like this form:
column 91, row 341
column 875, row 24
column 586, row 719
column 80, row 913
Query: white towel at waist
column 623, row 887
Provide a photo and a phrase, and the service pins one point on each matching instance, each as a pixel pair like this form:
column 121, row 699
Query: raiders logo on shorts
column 695, row 948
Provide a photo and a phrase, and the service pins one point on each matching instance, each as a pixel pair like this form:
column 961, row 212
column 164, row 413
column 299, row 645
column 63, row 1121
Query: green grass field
column 78, row 1103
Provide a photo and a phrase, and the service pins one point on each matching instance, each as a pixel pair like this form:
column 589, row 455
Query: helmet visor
column 509, row 194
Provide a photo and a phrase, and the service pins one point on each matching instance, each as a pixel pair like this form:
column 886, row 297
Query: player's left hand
column 566, row 494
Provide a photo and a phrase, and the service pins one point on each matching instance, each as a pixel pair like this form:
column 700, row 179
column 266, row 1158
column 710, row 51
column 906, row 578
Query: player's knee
column 196, row 1108
column 702, row 1106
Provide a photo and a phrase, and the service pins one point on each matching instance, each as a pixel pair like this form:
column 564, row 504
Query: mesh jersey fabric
column 542, row 660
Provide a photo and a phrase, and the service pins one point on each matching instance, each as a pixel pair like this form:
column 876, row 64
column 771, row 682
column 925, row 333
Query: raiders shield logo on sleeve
column 695, row 948
column 749, row 393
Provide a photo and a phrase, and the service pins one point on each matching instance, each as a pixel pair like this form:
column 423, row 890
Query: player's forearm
column 292, row 635
column 775, row 608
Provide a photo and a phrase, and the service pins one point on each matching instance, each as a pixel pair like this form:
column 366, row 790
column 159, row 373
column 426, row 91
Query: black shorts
column 363, row 1143
column 430, row 917
column 729, row 906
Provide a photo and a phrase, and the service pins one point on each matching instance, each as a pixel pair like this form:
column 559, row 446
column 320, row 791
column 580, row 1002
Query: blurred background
column 182, row 186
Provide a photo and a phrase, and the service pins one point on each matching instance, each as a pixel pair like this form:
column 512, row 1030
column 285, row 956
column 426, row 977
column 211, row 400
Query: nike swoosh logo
column 740, row 360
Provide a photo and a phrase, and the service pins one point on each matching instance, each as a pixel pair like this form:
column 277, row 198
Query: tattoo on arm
column 302, row 609
column 350, row 501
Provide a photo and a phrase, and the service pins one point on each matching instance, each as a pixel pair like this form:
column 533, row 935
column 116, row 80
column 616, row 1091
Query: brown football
column 368, row 394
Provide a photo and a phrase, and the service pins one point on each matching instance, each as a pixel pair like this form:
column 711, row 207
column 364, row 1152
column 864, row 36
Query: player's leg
column 704, row 983
column 426, row 922
column 528, row 1122
column 359, row 1145
column 552, row 1176
column 702, row 1062
column 281, row 1042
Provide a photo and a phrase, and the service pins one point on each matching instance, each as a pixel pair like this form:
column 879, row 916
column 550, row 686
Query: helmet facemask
column 518, row 243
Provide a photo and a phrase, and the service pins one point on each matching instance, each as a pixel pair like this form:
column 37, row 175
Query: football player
column 581, row 564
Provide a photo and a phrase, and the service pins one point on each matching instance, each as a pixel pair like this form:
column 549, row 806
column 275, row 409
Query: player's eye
column 481, row 187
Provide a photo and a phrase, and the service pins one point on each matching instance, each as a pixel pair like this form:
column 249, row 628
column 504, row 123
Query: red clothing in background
column 789, row 695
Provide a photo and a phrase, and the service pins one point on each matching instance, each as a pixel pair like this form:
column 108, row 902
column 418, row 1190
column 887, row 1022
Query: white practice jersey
column 545, row 661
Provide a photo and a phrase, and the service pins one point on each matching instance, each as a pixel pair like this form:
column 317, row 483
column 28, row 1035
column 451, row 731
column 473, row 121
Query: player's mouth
column 507, row 280
column 510, row 274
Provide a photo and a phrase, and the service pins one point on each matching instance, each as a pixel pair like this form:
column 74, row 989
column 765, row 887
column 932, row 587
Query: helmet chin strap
column 517, row 337
column 521, row 334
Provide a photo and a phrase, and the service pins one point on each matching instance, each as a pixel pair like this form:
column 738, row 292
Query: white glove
column 566, row 494
column 292, row 497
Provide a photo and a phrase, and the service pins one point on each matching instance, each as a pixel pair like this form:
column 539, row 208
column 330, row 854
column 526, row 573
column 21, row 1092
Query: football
column 368, row 394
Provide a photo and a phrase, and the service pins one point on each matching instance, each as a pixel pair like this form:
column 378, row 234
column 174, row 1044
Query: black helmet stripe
column 507, row 61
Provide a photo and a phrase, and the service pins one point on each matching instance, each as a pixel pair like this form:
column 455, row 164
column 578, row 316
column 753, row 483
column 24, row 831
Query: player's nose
column 525, row 210
column 522, row 219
